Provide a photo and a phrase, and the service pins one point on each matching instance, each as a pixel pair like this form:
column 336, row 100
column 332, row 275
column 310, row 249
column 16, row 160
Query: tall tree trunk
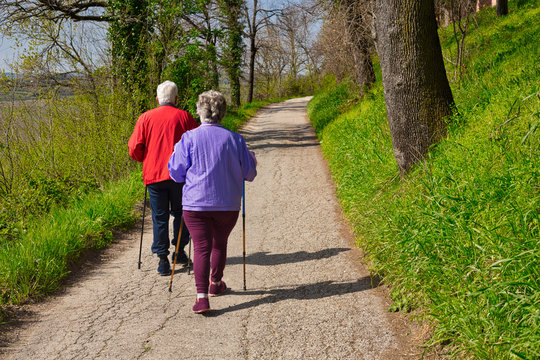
column 416, row 90
column 359, row 34
column 502, row 7
column 253, row 28
column 252, row 55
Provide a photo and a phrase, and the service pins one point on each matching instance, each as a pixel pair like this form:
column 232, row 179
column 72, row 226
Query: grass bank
column 457, row 240
column 40, row 250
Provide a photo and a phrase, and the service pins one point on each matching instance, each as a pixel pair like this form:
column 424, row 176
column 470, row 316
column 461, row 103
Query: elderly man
column 151, row 143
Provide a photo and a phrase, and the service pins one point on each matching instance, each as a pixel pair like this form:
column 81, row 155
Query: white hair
column 167, row 92
column 211, row 107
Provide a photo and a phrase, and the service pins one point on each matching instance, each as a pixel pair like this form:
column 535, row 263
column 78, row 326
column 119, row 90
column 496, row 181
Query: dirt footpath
column 306, row 298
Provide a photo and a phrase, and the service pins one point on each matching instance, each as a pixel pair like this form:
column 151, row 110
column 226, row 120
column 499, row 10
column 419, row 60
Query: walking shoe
column 182, row 258
column 201, row 306
column 216, row 290
column 164, row 267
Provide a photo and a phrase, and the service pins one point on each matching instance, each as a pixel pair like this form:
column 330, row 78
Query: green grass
column 327, row 105
column 37, row 262
column 457, row 240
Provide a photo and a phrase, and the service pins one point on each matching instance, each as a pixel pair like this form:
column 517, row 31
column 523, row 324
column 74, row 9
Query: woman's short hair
column 167, row 92
column 211, row 106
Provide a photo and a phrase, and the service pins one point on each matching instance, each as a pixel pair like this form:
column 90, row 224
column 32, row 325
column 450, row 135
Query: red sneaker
column 216, row 290
column 201, row 306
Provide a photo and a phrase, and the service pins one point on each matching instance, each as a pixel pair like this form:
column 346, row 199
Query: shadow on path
column 303, row 292
column 285, row 107
column 266, row 259
column 291, row 136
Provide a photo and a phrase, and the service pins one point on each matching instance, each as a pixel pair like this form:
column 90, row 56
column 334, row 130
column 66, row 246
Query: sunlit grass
column 38, row 261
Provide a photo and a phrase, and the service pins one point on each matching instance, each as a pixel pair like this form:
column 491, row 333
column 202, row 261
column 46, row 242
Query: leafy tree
column 129, row 34
column 233, row 47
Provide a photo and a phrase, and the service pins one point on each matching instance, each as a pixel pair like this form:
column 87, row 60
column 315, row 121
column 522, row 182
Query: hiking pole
column 142, row 227
column 176, row 252
column 244, row 229
column 189, row 257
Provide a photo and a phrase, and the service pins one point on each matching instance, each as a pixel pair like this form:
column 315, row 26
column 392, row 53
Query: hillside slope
column 458, row 239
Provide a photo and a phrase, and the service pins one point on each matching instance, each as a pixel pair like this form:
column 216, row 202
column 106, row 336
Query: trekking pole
column 142, row 227
column 244, row 229
column 189, row 257
column 176, row 252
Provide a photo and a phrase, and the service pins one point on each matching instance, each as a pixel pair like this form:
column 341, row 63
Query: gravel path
column 306, row 298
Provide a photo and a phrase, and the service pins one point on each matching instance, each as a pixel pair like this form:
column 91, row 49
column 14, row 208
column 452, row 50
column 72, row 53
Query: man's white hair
column 167, row 92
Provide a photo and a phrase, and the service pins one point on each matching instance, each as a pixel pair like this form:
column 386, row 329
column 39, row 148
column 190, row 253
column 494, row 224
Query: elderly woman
column 213, row 162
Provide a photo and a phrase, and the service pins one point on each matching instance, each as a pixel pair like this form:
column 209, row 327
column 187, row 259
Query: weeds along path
column 306, row 296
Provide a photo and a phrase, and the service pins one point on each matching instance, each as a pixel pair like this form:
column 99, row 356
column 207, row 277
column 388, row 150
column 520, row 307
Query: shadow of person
column 302, row 292
column 265, row 259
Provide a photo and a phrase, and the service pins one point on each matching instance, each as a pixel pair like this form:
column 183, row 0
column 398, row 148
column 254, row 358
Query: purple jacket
column 213, row 162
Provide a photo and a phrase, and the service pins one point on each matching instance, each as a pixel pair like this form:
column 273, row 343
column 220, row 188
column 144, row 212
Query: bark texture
column 416, row 90
column 502, row 7
column 359, row 34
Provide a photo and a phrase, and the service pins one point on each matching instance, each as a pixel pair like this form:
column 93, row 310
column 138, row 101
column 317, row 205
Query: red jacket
column 153, row 139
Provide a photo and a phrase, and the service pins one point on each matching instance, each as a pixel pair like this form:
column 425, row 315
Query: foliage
column 234, row 46
column 129, row 32
column 458, row 240
column 190, row 74
column 53, row 150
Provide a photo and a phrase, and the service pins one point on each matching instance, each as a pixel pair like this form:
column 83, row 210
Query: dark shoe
column 216, row 290
column 164, row 267
column 182, row 258
column 201, row 306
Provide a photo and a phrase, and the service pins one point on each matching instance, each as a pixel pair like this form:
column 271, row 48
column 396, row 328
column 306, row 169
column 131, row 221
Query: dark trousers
column 166, row 200
column 210, row 231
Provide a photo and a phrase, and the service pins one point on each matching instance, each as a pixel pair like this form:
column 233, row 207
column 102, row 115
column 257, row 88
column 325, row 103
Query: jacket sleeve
column 179, row 161
column 249, row 163
column 137, row 142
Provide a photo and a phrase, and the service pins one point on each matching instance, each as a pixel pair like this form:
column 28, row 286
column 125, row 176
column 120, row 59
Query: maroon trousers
column 209, row 231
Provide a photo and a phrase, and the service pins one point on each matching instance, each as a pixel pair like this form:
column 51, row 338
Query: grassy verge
column 37, row 259
column 458, row 240
column 36, row 263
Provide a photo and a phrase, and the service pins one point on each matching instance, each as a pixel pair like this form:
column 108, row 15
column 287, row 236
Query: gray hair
column 167, row 92
column 211, row 107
